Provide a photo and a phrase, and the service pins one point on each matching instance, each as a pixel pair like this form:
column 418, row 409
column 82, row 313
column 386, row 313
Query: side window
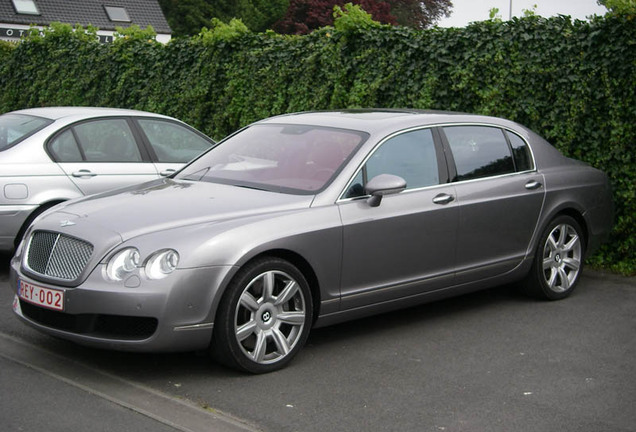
column 173, row 142
column 479, row 151
column 64, row 148
column 520, row 152
column 410, row 155
column 107, row 140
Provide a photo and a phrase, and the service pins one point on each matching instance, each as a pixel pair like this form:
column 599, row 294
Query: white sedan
column 50, row 155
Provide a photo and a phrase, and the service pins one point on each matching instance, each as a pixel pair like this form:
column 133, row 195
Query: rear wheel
column 558, row 261
column 264, row 317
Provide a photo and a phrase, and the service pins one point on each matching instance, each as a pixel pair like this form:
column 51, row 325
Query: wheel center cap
column 267, row 315
column 557, row 258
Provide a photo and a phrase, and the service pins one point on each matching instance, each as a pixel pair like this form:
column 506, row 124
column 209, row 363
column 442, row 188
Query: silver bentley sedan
column 306, row 220
column 50, row 155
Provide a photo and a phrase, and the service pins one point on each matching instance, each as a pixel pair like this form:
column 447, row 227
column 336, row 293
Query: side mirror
column 383, row 184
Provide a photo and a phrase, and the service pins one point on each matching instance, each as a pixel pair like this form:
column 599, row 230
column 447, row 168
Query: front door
column 100, row 155
column 407, row 244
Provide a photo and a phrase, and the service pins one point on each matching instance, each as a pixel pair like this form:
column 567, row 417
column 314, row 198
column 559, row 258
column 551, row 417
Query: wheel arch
column 302, row 265
column 575, row 214
column 552, row 211
column 578, row 217
column 35, row 213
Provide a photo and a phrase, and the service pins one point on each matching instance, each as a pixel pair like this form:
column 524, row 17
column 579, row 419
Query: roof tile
column 85, row 12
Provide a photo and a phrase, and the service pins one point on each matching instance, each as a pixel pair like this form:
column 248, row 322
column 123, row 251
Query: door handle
column 443, row 198
column 166, row 173
column 83, row 173
column 533, row 184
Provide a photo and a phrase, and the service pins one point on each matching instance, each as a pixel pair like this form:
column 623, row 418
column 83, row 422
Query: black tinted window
column 520, row 152
column 479, row 151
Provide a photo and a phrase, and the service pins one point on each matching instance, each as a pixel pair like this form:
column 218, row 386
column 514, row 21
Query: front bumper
column 172, row 314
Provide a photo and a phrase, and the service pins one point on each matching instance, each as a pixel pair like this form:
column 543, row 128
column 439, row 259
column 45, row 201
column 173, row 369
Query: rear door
column 101, row 154
column 171, row 144
column 500, row 198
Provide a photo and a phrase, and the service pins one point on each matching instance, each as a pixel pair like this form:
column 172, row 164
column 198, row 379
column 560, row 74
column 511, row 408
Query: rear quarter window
column 520, row 152
column 17, row 127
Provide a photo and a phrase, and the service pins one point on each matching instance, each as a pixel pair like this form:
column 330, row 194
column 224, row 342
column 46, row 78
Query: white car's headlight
column 122, row 264
column 161, row 264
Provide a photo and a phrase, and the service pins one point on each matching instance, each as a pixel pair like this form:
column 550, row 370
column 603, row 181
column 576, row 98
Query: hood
column 164, row 204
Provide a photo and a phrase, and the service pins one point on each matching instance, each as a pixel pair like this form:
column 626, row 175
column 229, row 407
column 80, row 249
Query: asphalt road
column 489, row 361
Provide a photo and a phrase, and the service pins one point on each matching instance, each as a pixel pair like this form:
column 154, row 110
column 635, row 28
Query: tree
column 187, row 17
column 304, row 16
column 619, row 7
column 419, row 14
column 258, row 15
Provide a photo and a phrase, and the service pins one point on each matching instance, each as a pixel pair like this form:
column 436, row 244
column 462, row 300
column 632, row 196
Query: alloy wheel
column 562, row 255
column 270, row 317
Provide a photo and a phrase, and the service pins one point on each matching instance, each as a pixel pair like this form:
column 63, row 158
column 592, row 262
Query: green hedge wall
column 572, row 82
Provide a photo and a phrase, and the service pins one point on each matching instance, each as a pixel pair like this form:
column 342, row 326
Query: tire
column 264, row 317
column 558, row 260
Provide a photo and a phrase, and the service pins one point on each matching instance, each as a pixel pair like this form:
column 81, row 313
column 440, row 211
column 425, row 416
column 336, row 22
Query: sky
column 466, row 11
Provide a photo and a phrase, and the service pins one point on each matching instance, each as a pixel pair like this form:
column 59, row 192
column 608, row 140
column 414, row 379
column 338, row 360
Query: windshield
column 15, row 127
column 284, row 158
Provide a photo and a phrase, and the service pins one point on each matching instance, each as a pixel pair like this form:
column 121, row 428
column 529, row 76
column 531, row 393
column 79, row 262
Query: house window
column 26, row 7
column 116, row 13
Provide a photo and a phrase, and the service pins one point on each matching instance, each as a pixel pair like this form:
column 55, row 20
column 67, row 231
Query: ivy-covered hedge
column 572, row 82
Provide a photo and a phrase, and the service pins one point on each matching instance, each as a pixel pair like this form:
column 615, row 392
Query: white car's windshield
column 16, row 127
column 285, row 158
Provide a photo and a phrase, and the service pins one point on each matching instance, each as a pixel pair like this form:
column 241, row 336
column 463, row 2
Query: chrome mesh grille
column 57, row 255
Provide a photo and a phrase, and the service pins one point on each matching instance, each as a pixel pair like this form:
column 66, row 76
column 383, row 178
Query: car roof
column 379, row 120
column 57, row 113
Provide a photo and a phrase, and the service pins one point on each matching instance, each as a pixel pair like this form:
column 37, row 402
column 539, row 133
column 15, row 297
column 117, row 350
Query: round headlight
column 161, row 264
column 122, row 264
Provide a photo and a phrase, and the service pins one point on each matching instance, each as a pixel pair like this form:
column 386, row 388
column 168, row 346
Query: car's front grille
column 57, row 255
column 98, row 325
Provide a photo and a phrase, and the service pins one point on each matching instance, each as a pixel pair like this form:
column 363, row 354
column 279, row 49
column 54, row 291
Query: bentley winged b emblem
column 65, row 223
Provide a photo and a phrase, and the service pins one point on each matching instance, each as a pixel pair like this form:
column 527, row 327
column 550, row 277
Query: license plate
column 45, row 297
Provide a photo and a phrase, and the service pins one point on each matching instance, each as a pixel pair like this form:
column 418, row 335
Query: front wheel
column 558, row 261
column 264, row 317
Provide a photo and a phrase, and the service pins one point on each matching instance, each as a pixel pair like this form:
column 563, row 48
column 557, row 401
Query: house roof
column 85, row 12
